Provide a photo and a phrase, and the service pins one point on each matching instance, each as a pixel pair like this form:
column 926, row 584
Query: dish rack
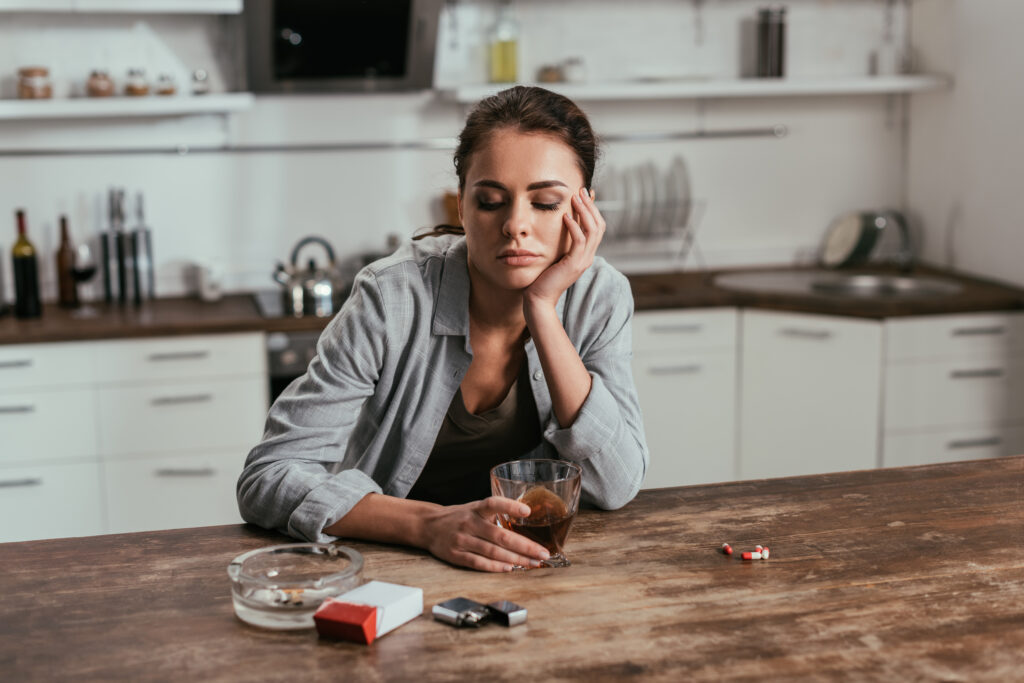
column 649, row 211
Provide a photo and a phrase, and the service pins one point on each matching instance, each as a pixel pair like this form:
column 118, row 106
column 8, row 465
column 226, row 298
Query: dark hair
column 527, row 109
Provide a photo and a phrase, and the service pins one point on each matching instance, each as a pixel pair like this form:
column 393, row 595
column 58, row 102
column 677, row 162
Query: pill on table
column 758, row 548
column 764, row 553
column 752, row 556
column 727, row 549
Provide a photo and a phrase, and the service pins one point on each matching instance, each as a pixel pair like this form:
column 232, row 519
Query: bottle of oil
column 504, row 44
column 26, row 274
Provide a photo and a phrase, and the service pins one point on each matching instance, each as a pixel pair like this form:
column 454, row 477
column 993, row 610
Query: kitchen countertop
column 898, row 574
column 687, row 289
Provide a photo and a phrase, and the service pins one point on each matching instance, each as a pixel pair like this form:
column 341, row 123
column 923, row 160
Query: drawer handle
column 16, row 483
column 675, row 328
column 798, row 333
column 7, row 364
column 974, row 443
column 179, row 400
column 185, row 472
column 674, row 370
column 11, row 410
column 177, row 355
column 976, row 374
column 977, row 331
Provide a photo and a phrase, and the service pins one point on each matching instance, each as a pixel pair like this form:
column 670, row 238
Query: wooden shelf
column 115, row 107
column 738, row 88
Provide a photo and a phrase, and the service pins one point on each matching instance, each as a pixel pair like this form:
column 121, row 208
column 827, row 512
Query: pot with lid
column 314, row 290
column 860, row 237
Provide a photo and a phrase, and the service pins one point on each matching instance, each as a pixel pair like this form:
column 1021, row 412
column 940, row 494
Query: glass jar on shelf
column 34, row 83
column 136, row 85
column 99, row 84
column 504, row 44
column 165, row 85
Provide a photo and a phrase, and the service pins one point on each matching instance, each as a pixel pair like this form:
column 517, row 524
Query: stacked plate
column 644, row 201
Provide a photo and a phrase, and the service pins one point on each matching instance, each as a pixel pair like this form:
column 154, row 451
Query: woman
column 459, row 352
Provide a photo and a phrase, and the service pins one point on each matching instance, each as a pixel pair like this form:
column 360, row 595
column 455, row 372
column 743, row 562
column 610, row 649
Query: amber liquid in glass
column 550, row 533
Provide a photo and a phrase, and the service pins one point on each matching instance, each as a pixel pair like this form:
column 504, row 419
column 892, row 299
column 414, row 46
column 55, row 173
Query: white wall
column 767, row 200
column 966, row 168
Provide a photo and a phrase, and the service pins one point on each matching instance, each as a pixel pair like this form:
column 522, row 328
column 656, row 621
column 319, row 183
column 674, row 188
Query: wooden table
column 900, row 574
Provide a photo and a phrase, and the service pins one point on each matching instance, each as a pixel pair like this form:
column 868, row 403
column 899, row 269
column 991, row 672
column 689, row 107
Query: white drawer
column 59, row 424
column 25, row 366
column 953, row 392
column 174, row 358
column 181, row 416
column 688, row 402
column 173, row 492
column 710, row 328
column 50, row 501
column 951, row 445
column 995, row 335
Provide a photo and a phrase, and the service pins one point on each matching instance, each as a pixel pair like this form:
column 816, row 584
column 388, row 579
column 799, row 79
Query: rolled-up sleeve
column 297, row 479
column 607, row 437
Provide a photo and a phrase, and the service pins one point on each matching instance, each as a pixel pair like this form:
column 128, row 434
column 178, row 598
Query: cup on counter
column 206, row 280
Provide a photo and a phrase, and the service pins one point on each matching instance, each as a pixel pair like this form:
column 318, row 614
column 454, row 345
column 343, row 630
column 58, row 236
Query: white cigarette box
column 396, row 604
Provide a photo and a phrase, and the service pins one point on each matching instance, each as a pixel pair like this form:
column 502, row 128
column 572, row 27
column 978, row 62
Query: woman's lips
column 518, row 257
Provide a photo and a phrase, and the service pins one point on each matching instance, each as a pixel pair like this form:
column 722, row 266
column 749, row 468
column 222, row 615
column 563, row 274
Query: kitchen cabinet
column 149, row 433
column 684, row 366
column 50, row 480
column 810, row 394
column 125, row 6
column 954, row 388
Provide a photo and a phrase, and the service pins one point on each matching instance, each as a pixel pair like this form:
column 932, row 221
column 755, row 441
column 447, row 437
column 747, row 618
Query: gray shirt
column 364, row 417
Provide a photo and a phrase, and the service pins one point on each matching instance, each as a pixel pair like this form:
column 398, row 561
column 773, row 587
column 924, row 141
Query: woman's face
column 517, row 190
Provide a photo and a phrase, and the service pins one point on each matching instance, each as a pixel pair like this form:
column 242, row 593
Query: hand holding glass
column 551, row 488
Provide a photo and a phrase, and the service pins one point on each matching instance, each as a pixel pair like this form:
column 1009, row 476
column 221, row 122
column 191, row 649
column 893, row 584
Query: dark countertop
column 688, row 289
column 902, row 574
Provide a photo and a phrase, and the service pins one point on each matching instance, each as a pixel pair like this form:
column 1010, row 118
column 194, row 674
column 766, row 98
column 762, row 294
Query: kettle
column 311, row 290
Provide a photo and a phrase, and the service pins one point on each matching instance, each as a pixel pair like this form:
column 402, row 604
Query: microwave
column 307, row 46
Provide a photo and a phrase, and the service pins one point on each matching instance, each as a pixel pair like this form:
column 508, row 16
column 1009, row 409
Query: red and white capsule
column 752, row 556
column 727, row 549
column 764, row 553
column 758, row 548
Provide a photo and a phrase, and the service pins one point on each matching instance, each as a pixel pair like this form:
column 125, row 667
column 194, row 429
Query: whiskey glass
column 552, row 490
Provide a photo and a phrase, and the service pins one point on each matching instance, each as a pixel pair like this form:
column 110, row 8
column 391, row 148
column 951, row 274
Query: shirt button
column 538, row 375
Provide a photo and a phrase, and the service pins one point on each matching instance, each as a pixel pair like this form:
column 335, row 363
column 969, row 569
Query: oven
column 288, row 352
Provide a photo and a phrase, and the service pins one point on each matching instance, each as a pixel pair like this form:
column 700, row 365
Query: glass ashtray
column 281, row 586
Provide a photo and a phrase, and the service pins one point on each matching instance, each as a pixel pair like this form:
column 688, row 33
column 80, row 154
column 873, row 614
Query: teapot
column 312, row 290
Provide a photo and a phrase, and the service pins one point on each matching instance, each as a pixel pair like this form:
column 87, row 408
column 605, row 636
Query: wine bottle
column 65, row 268
column 26, row 274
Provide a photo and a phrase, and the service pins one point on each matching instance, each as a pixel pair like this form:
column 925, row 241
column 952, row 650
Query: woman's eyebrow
column 539, row 185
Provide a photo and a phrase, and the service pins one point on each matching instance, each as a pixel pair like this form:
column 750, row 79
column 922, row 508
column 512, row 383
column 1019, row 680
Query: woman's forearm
column 568, row 380
column 386, row 519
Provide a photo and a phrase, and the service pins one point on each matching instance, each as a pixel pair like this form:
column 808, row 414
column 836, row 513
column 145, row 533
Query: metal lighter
column 507, row 613
column 461, row 612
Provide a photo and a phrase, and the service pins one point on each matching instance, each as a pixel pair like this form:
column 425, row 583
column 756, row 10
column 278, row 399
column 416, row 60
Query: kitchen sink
column 832, row 283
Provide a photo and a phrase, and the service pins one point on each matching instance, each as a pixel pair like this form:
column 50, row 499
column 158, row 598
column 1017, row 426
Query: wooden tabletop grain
column 899, row 574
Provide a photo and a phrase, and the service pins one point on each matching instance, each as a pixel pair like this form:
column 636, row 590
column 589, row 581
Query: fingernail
column 524, row 510
column 534, row 563
column 507, row 568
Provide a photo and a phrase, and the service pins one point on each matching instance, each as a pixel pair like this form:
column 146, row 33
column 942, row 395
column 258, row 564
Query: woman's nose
column 517, row 222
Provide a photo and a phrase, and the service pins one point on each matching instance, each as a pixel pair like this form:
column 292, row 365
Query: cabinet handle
column 691, row 369
column 178, row 400
column 11, row 410
column 15, row 483
column 974, row 443
column 9, row 364
column 177, row 355
column 675, row 328
column 976, row 374
column 185, row 472
column 976, row 331
column 798, row 333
